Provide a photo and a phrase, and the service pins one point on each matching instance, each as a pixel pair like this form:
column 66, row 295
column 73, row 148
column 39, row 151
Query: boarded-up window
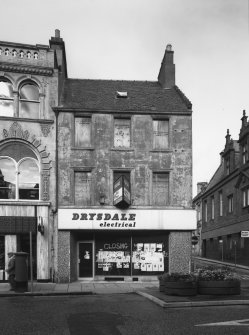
column 160, row 134
column 160, row 189
column 82, row 188
column 82, row 129
column 122, row 133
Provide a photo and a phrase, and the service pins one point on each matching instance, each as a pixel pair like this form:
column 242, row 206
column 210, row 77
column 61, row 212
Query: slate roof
column 142, row 96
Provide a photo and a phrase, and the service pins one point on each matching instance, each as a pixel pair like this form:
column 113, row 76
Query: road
column 125, row 314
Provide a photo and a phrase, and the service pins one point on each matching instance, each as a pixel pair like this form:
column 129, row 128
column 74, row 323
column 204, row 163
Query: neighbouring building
column 124, row 178
column 224, row 203
column 30, row 79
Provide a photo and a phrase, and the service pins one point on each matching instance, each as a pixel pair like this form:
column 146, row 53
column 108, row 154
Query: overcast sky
column 114, row 39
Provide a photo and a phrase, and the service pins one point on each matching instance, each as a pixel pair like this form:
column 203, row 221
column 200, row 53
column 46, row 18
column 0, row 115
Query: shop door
column 85, row 260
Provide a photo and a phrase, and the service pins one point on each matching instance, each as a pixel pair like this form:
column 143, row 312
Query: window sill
column 15, row 118
column 83, row 148
column 122, row 149
column 161, row 150
column 24, row 202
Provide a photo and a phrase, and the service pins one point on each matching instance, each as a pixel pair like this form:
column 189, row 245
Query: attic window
column 121, row 94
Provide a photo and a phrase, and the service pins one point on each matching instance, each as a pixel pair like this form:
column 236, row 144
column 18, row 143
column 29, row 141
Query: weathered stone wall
column 63, row 274
column 179, row 251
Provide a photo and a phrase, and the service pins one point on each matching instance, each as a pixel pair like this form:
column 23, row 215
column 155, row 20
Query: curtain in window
column 6, row 98
column 29, row 101
column 161, row 134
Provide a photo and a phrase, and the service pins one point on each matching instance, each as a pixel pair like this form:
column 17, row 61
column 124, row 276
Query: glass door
column 85, row 260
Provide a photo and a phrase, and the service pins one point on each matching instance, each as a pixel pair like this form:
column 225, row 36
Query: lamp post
column 221, row 243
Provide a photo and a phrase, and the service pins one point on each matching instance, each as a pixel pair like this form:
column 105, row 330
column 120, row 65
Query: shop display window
column 113, row 257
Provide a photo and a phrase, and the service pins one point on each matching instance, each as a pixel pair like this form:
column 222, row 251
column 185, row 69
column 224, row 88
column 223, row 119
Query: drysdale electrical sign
column 116, row 220
column 130, row 219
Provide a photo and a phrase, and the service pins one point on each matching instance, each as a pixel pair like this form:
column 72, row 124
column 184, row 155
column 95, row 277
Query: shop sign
column 130, row 219
column 245, row 233
column 121, row 191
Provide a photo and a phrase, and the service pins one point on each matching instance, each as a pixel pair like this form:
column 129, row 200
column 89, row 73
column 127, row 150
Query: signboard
column 194, row 240
column 129, row 219
column 245, row 233
column 121, row 192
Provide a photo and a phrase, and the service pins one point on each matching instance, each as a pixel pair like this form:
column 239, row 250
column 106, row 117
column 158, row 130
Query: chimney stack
column 166, row 76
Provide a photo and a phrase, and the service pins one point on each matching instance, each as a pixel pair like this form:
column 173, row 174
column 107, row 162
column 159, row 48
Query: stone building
column 225, row 203
column 30, row 79
column 124, row 178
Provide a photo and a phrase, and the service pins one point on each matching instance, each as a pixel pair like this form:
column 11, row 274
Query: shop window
column 121, row 189
column 29, row 101
column 19, row 173
column 160, row 134
column 82, row 131
column 82, row 188
column 2, row 257
column 6, row 98
column 230, row 203
column 160, row 189
column 122, row 133
column 220, row 203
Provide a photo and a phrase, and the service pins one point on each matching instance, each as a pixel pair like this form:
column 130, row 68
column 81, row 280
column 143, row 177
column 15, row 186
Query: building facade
column 124, row 178
column 224, row 203
column 30, row 77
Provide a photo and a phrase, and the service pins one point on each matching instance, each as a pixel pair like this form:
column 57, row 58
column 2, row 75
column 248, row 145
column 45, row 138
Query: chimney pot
column 57, row 33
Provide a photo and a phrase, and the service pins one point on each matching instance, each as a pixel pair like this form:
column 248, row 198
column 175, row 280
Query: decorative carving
column 45, row 187
column 16, row 131
column 45, row 128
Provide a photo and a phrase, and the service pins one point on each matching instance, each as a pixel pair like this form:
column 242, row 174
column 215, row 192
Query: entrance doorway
column 85, row 260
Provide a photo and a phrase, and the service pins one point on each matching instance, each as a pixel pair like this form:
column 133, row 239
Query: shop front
column 117, row 244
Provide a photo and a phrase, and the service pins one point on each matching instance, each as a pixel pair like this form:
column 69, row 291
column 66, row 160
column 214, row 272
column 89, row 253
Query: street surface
column 126, row 314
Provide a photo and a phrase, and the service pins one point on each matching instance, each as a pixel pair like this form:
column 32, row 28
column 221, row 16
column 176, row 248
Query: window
column 227, row 162
column 19, row 180
column 221, row 203
column 244, row 153
column 205, row 211
column 6, row 98
column 29, row 101
column 245, row 197
column 82, row 188
column 160, row 134
column 82, row 131
column 212, row 208
column 230, row 203
column 122, row 133
column 160, row 189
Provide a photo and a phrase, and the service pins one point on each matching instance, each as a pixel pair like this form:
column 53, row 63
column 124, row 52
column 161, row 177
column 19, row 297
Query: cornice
column 44, row 71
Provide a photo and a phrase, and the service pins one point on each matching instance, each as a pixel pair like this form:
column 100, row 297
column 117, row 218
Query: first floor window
column 245, row 197
column 212, row 208
column 160, row 189
column 221, row 203
column 205, row 211
column 82, row 188
column 19, row 180
column 160, row 134
column 6, row 98
column 230, row 203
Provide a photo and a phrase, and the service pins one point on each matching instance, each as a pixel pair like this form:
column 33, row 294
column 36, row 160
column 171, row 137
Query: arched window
column 6, row 98
column 29, row 101
column 19, row 173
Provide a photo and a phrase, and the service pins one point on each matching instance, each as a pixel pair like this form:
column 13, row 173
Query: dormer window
column 244, row 154
column 227, row 162
column 121, row 94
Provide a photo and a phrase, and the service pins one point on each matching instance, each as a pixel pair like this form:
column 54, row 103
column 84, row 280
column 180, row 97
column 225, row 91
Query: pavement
column 149, row 290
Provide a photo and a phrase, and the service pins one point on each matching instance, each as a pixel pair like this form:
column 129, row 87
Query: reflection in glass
column 6, row 98
column 29, row 180
column 7, row 179
column 29, row 101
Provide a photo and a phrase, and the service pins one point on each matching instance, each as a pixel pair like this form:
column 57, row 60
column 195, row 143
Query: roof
column 141, row 96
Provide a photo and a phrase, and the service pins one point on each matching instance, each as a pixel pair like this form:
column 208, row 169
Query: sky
column 114, row 39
